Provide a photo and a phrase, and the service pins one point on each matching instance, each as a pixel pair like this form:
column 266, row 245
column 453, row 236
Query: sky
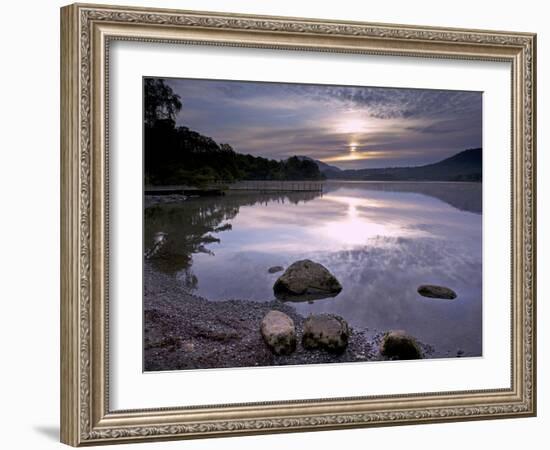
column 344, row 126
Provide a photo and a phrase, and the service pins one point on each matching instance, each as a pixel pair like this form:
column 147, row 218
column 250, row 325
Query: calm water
column 381, row 240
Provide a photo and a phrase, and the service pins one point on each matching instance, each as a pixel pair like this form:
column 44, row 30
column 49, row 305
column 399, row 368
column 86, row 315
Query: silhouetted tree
column 161, row 103
column 178, row 155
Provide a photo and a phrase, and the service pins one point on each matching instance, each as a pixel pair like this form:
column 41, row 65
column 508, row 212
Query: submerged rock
column 399, row 345
column 325, row 331
column 275, row 269
column 278, row 332
column 304, row 278
column 433, row 291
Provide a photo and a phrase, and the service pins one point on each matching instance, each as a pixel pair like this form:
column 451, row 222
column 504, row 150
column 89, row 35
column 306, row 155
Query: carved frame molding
column 86, row 32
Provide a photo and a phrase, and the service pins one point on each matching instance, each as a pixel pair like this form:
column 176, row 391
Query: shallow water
column 381, row 240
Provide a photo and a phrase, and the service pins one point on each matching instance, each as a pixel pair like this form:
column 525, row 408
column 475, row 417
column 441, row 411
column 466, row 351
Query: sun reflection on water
column 357, row 226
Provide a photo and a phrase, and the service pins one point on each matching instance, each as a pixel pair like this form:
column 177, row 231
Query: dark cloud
column 386, row 103
column 278, row 120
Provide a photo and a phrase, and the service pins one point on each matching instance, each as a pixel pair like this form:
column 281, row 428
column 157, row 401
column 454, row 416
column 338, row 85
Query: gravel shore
column 183, row 331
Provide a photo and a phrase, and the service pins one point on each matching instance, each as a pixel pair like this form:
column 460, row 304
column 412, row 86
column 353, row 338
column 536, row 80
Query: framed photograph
column 276, row 224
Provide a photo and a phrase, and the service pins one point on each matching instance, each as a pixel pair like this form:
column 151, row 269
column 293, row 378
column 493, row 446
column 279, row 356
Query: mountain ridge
column 323, row 166
column 466, row 165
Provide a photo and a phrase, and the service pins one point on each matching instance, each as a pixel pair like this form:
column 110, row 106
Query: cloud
column 278, row 120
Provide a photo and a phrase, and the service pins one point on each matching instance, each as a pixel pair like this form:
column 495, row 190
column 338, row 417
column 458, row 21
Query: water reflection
column 365, row 218
column 191, row 227
column 381, row 240
column 463, row 196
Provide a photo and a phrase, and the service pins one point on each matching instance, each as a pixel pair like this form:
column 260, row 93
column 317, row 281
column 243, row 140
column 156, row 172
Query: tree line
column 177, row 155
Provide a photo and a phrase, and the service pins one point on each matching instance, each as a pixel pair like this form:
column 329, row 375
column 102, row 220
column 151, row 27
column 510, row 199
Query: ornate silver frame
column 86, row 31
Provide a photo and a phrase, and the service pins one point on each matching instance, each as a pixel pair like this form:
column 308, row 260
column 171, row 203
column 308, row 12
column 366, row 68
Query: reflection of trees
column 463, row 196
column 189, row 226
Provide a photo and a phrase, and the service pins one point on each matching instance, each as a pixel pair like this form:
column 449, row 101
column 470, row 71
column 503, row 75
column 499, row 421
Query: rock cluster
column 306, row 279
column 321, row 331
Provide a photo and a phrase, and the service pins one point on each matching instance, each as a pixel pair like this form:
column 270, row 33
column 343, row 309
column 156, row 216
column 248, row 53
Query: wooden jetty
column 277, row 186
column 220, row 187
column 183, row 190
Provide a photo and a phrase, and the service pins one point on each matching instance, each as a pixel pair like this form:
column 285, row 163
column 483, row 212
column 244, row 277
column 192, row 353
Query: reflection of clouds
column 380, row 281
column 347, row 217
column 380, row 244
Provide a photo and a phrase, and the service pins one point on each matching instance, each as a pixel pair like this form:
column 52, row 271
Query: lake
column 381, row 240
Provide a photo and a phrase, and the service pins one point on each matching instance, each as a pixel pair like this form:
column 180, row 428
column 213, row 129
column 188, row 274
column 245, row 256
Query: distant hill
column 323, row 167
column 464, row 166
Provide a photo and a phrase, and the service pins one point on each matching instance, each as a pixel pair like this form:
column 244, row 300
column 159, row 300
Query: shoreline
column 185, row 331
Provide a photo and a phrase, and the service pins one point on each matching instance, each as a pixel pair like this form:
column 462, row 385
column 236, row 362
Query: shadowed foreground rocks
column 184, row 331
column 278, row 332
column 399, row 345
column 326, row 331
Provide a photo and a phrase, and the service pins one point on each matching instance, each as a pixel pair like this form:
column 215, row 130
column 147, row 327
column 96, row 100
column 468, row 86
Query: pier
column 220, row 187
column 276, row 186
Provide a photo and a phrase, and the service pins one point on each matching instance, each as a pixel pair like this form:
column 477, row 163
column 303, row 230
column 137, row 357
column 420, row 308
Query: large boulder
column 278, row 332
column 306, row 278
column 433, row 291
column 399, row 345
column 325, row 331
